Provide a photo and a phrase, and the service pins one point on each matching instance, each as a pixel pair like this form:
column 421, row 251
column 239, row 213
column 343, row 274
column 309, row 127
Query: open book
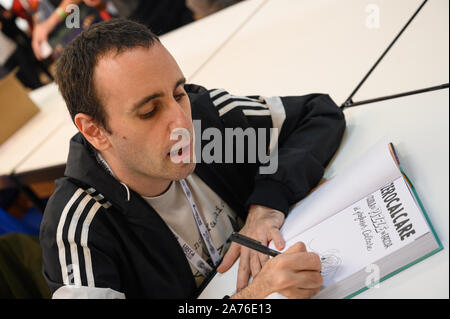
column 366, row 223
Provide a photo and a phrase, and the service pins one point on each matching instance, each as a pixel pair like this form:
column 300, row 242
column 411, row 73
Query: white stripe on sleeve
column 83, row 292
column 214, row 93
column 59, row 230
column 84, row 241
column 227, row 97
column 234, row 104
column 71, row 239
column 256, row 112
column 278, row 114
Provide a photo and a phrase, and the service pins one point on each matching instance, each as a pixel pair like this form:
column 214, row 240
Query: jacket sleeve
column 78, row 260
column 306, row 132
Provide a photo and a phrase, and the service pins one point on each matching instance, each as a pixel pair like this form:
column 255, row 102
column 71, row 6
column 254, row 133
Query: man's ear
column 92, row 131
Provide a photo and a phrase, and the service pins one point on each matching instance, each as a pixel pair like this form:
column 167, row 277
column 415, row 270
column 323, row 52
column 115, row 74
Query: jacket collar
column 83, row 166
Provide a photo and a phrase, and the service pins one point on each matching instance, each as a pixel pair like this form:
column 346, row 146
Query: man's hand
column 294, row 274
column 262, row 224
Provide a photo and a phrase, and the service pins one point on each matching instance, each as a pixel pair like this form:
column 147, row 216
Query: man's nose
column 178, row 117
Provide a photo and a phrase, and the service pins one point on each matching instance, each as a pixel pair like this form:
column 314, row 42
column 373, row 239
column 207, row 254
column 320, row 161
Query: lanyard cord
column 190, row 253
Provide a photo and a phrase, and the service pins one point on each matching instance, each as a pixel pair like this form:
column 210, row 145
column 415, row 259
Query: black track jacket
column 93, row 236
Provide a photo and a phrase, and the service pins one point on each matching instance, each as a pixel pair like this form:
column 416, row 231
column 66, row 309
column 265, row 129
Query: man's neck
column 143, row 185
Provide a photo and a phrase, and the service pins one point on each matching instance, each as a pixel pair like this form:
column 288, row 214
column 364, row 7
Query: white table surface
column 52, row 152
column 27, row 139
column 418, row 59
column 418, row 127
column 194, row 43
column 293, row 47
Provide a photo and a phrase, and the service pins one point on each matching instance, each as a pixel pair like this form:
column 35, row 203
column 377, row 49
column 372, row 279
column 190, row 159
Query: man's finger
column 255, row 264
column 263, row 258
column 302, row 261
column 230, row 257
column 243, row 270
column 276, row 237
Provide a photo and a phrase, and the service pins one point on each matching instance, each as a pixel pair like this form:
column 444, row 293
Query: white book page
column 363, row 233
column 370, row 172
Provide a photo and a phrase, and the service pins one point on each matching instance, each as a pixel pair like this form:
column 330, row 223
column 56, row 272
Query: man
column 139, row 213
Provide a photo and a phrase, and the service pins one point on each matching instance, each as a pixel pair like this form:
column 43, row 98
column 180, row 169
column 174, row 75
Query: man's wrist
column 255, row 290
column 248, row 293
column 260, row 210
column 271, row 194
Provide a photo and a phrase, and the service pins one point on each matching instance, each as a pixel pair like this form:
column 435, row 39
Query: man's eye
column 179, row 96
column 148, row 114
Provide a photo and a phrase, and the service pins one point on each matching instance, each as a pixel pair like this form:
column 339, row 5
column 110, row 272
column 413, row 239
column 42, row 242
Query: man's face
column 145, row 101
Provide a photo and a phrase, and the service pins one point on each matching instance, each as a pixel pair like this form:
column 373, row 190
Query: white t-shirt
column 173, row 207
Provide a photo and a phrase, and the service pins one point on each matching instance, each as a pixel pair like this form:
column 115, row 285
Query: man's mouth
column 180, row 154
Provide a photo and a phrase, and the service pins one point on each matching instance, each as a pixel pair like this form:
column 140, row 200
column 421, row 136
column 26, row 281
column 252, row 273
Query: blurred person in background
column 202, row 8
column 159, row 16
column 19, row 53
column 47, row 20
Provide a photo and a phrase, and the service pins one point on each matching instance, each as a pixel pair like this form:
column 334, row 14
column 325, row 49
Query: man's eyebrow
column 181, row 81
column 148, row 98
column 143, row 101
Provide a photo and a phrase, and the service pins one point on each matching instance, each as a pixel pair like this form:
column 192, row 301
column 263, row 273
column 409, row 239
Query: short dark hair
column 75, row 67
